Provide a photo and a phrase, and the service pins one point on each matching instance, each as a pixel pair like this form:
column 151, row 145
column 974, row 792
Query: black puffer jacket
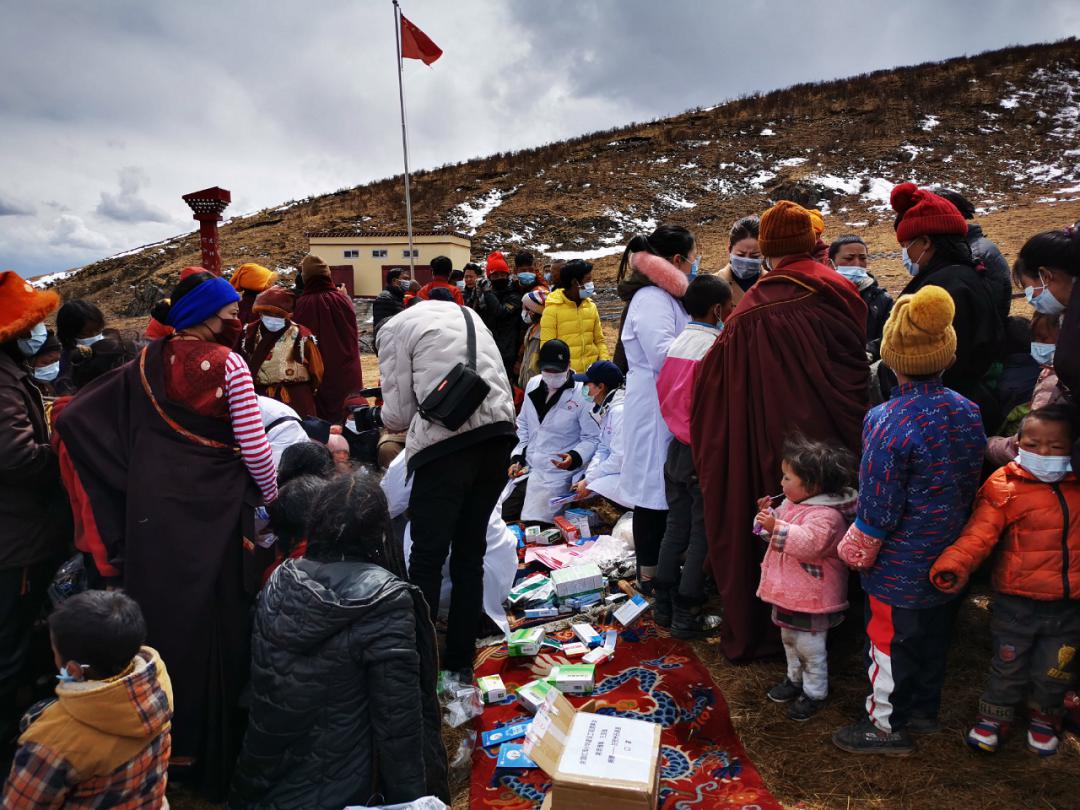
column 506, row 325
column 387, row 304
column 998, row 275
column 343, row 706
column 878, row 306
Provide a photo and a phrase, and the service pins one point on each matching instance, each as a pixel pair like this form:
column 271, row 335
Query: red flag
column 415, row 44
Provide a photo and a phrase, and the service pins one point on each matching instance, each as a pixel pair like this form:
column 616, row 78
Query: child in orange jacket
column 1030, row 511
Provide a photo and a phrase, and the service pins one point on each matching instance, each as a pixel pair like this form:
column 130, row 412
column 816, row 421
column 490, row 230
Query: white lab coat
column 602, row 476
column 500, row 560
column 654, row 319
column 568, row 425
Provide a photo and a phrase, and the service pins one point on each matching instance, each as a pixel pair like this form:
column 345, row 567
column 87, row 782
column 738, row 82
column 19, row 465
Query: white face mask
column 272, row 324
column 853, row 273
column 1048, row 469
column 90, row 341
column 588, row 289
column 1043, row 353
column 554, row 380
column 32, row 345
column 47, row 373
column 745, row 267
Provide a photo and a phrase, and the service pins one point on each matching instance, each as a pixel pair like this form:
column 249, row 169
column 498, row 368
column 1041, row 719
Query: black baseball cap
column 602, row 372
column 554, row 356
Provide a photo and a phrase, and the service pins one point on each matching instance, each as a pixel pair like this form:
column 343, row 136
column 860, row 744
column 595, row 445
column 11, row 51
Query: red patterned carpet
column 651, row 677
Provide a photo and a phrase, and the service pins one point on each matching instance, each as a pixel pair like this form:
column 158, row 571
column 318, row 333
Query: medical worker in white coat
column 660, row 267
column 604, row 388
column 557, row 437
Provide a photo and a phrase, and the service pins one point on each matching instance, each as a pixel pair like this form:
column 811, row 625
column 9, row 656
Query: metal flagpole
column 404, row 138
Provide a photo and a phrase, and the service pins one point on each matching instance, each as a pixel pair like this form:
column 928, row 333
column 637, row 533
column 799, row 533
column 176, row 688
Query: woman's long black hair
column 666, row 241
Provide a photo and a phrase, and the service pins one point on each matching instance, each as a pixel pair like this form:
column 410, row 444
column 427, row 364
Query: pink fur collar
column 661, row 272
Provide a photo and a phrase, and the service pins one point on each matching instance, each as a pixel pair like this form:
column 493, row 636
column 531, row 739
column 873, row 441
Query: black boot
column 662, row 607
column 689, row 620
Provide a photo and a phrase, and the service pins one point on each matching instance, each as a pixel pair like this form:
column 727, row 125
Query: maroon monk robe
column 330, row 315
column 791, row 358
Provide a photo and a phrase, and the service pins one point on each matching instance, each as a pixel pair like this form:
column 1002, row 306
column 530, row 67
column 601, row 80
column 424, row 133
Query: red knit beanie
column 924, row 213
column 496, row 263
column 275, row 302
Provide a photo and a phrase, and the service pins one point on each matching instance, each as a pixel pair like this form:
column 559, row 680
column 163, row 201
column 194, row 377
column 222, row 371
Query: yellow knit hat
column 817, row 220
column 253, row 277
column 919, row 338
column 786, row 230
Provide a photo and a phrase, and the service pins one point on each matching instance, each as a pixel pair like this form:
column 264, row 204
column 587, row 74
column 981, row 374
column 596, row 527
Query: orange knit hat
column 252, row 277
column 817, row 219
column 786, row 230
column 21, row 305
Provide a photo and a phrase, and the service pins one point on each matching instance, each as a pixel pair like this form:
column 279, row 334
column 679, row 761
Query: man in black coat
column 391, row 300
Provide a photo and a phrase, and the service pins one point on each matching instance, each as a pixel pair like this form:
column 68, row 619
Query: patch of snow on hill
column 675, row 201
column 795, row 161
column 928, row 123
column 766, row 132
column 41, row 282
column 587, row 255
column 1010, row 103
column 847, row 185
column 761, row 178
column 477, row 211
column 879, row 193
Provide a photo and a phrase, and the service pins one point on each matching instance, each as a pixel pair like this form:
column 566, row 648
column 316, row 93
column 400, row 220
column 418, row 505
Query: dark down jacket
column 343, row 706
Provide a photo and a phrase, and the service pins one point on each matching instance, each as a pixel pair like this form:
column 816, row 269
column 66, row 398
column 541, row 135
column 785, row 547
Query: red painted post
column 207, row 206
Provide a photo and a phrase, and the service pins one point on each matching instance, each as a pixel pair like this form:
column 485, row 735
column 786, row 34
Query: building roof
column 378, row 234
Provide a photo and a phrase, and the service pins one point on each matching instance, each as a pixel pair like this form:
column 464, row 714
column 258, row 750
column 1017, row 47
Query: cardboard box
column 595, row 760
column 574, row 679
column 526, row 641
column 587, row 635
column 492, row 688
column 531, row 696
column 631, row 610
column 532, row 533
column 582, row 519
column 576, row 580
column 549, row 537
column 602, row 654
column 568, row 530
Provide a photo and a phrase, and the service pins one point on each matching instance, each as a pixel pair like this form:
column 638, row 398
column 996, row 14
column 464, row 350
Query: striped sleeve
column 248, row 426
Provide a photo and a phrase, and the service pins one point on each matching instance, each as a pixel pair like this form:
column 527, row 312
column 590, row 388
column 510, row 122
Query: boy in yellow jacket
column 105, row 738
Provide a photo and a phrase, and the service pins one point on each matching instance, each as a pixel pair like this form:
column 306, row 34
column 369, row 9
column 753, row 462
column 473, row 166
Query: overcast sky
column 111, row 109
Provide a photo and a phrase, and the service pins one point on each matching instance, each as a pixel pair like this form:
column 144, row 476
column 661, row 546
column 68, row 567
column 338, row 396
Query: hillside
column 1003, row 127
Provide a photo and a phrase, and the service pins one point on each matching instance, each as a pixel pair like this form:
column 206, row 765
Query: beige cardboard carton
column 594, row 760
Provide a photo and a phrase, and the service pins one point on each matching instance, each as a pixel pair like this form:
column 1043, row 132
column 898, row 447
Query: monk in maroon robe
column 330, row 315
column 791, row 359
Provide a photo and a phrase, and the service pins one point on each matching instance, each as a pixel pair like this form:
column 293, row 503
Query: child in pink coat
column 801, row 576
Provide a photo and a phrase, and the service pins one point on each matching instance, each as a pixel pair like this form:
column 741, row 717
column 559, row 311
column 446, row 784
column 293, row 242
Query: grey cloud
column 127, row 205
column 10, row 207
column 70, row 231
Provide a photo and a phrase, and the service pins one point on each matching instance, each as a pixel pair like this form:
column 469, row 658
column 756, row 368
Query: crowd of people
column 265, row 545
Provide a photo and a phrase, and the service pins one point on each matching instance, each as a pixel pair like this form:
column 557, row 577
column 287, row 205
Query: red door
column 343, row 274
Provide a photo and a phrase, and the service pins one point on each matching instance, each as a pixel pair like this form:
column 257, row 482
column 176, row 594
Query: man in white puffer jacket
column 457, row 474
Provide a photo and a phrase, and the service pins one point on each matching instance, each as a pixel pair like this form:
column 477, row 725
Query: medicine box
column 514, row 731
column 526, row 641
column 527, row 589
column 574, row 649
column 531, row 695
column 576, row 580
column 587, row 635
column 512, row 755
column 491, row 688
column 574, row 679
column 568, row 530
column 631, row 610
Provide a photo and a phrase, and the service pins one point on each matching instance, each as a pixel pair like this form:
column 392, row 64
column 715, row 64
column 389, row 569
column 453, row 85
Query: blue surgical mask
column 47, row 373
column 526, row 279
column 694, row 267
column 587, row 290
column 909, row 265
column 460, row 285
column 32, row 345
column 853, row 273
column 1045, row 302
column 1048, row 469
column 1043, row 353
column 745, row 267
column 585, row 395
column 272, row 324
column 90, row 341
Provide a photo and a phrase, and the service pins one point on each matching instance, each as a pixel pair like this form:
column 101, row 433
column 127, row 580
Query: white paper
column 609, row 748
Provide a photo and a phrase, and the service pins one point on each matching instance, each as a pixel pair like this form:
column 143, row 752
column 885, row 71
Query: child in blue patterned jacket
column 922, row 457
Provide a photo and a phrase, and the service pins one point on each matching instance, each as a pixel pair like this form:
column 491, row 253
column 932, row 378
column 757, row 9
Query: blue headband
column 201, row 303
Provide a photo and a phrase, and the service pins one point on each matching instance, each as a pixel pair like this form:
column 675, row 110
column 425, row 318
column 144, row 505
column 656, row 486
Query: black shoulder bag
column 460, row 392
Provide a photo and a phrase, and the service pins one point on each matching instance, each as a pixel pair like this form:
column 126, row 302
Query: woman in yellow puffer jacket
column 573, row 318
